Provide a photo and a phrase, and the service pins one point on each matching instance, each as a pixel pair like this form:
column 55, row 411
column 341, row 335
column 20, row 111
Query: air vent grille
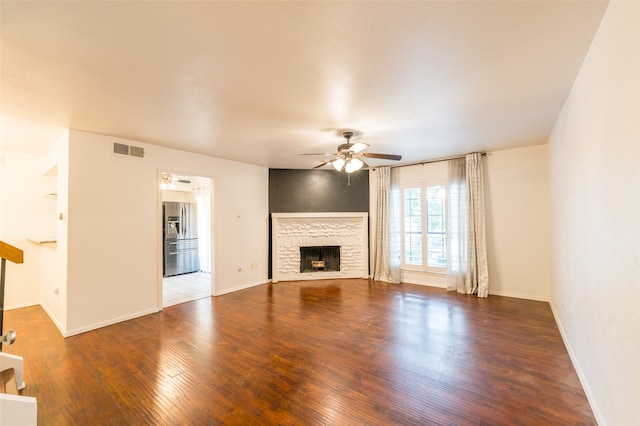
column 119, row 148
column 136, row 151
column 132, row 151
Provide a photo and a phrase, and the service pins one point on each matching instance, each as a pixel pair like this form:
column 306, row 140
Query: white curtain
column 395, row 227
column 457, row 226
column 385, row 259
column 467, row 270
column 477, row 279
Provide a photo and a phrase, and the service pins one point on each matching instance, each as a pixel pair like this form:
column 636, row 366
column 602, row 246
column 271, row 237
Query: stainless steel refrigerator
column 180, row 238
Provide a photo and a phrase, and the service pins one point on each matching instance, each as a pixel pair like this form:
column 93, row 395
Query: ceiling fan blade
column 358, row 147
column 322, row 164
column 323, row 153
column 183, row 181
column 382, row 156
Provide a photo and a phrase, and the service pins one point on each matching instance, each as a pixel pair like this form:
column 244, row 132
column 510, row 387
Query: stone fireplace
column 308, row 246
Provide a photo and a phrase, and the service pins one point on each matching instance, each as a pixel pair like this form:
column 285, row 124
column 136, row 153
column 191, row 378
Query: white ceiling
column 263, row 82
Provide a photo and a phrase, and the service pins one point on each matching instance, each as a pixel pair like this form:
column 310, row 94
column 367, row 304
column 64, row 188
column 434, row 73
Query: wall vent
column 136, row 151
column 119, row 148
column 132, row 151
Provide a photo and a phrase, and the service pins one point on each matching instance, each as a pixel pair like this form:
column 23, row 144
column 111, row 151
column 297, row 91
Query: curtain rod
column 431, row 161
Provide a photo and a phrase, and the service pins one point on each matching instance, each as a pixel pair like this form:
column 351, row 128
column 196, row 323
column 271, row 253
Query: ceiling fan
column 349, row 156
column 169, row 181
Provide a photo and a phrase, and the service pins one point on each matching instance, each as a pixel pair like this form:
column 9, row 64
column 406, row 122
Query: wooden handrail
column 15, row 255
column 11, row 253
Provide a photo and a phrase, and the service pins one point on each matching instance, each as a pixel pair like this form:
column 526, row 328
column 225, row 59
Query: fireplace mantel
column 290, row 231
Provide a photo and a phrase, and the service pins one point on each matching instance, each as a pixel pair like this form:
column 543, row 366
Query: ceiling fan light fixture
column 354, row 164
column 167, row 182
column 338, row 164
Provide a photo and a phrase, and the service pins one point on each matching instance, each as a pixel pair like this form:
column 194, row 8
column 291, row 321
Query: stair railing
column 15, row 255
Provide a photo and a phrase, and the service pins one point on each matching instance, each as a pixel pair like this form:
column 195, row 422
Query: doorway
column 186, row 238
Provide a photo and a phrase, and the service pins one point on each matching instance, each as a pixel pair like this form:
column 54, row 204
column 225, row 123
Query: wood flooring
column 334, row 352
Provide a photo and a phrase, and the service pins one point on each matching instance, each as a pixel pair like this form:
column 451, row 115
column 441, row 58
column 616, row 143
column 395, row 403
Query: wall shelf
column 40, row 241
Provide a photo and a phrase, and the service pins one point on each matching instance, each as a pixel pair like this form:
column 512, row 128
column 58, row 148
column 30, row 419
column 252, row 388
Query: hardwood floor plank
column 304, row 353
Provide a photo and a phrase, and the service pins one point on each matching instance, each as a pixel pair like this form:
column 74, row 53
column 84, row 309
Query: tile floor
column 185, row 288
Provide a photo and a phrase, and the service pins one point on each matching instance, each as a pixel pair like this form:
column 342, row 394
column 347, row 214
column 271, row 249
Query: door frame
column 160, row 238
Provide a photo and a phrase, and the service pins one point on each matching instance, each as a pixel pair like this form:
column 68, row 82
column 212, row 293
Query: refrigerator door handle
column 186, row 220
column 181, row 222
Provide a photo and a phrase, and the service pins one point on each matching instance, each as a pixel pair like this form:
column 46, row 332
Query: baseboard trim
column 242, row 287
column 518, row 295
column 109, row 322
column 423, row 283
column 576, row 365
column 54, row 319
column 21, row 305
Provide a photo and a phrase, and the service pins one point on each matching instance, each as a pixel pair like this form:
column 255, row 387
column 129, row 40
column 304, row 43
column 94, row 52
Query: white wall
column 595, row 188
column 54, row 259
column 518, row 222
column 25, row 212
column 115, row 230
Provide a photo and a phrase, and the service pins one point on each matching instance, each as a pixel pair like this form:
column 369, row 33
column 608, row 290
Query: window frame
column 423, row 186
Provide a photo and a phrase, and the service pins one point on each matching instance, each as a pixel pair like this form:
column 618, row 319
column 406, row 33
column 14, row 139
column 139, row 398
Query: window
column 413, row 226
column 424, row 227
column 436, row 232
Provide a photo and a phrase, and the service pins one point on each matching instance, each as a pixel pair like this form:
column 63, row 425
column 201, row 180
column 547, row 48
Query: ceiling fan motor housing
column 345, row 147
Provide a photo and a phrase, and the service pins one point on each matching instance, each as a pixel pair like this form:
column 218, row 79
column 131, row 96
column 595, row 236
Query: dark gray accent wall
column 304, row 191
column 313, row 191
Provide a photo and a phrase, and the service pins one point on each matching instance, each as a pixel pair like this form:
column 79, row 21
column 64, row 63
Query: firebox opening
column 319, row 258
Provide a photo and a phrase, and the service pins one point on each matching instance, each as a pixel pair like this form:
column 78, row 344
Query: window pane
column 436, row 238
column 437, row 260
column 413, row 239
column 435, row 224
column 412, row 224
column 435, row 192
column 415, row 207
column 435, row 200
column 414, row 258
column 412, row 193
column 436, row 242
column 435, row 206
